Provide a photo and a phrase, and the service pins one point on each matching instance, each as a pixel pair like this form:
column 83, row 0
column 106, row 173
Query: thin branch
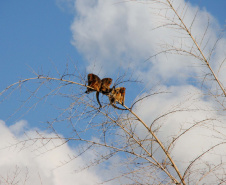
column 199, row 49
column 161, row 145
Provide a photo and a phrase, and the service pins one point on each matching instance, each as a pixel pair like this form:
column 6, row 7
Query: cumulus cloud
column 23, row 165
column 18, row 127
column 123, row 35
column 195, row 120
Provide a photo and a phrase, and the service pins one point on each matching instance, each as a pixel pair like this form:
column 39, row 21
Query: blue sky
column 34, row 34
column 38, row 34
column 216, row 8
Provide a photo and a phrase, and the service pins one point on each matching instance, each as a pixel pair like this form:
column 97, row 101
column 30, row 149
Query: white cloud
column 39, row 169
column 207, row 127
column 114, row 35
column 66, row 5
column 18, row 127
column 121, row 34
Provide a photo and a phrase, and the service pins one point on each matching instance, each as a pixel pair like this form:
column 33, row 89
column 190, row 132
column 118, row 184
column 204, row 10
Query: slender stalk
column 42, row 77
column 140, row 144
column 160, row 144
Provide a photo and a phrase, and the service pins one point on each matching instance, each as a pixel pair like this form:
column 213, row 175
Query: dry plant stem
column 190, row 165
column 207, row 173
column 140, row 144
column 41, row 77
column 199, row 49
column 188, row 129
column 19, row 82
column 161, row 145
column 68, row 81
